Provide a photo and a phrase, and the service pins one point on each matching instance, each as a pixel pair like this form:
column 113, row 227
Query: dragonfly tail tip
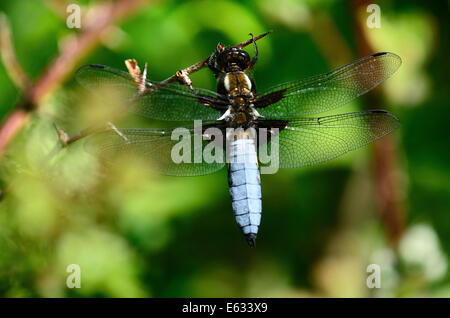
column 251, row 239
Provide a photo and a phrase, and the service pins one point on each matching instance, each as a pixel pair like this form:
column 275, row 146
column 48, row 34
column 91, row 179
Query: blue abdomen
column 245, row 187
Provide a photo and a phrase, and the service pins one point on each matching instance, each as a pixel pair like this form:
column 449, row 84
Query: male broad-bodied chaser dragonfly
column 280, row 113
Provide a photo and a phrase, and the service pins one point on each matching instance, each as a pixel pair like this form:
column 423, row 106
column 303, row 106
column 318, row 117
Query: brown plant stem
column 387, row 183
column 8, row 55
column 59, row 69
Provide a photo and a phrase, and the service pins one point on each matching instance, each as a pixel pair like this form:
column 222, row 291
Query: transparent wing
column 162, row 147
column 173, row 102
column 325, row 92
column 310, row 141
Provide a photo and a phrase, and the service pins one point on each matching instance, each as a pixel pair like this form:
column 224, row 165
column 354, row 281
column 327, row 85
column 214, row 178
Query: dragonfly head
column 228, row 59
column 234, row 58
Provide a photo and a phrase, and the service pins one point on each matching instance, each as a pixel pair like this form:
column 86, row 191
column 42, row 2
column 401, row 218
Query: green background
column 138, row 234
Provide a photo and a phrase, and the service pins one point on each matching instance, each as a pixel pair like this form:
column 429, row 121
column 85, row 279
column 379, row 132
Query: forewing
column 173, row 102
column 325, row 92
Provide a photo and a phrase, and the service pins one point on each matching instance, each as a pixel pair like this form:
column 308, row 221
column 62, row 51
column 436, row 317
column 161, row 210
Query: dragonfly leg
column 255, row 58
column 183, row 78
column 117, row 131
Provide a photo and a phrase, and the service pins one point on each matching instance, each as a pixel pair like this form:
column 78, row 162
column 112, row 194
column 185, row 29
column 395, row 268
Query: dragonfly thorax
column 239, row 89
column 235, row 84
column 242, row 116
column 230, row 65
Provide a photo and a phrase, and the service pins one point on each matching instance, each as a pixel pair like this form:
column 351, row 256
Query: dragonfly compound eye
column 232, row 57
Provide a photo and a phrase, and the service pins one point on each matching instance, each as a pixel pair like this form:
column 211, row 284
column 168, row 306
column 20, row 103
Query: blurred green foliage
column 137, row 234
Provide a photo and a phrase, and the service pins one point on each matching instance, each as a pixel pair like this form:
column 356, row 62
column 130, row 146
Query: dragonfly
column 238, row 122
